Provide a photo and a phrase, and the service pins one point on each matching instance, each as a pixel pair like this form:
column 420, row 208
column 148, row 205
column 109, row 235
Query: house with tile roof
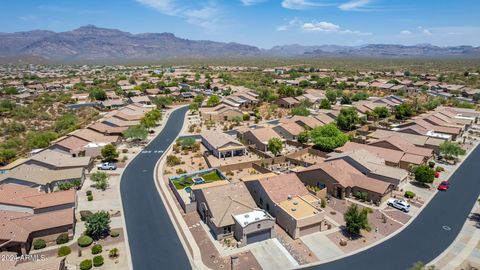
column 229, row 210
column 286, row 198
column 343, row 180
column 222, row 145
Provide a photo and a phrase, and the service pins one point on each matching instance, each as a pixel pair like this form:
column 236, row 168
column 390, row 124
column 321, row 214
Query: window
column 259, row 225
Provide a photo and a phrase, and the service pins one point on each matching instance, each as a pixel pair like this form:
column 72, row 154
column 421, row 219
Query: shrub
column 64, row 251
column 62, row 238
column 362, row 196
column 90, row 198
column 96, row 249
column 323, row 203
column 85, row 241
column 39, row 244
column 89, row 193
column 98, row 261
column 113, row 253
column 173, row 160
column 409, row 194
column 84, row 214
column 114, row 233
column 439, row 169
column 86, row 265
column 424, row 174
column 431, row 164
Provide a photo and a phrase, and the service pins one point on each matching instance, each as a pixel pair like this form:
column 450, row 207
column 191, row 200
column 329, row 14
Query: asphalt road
column 154, row 243
column 429, row 234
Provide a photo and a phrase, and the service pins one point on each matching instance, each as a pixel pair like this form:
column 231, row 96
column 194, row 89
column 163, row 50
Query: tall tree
column 97, row 224
column 275, row 146
column 109, row 152
column 328, row 137
column 355, row 219
column 348, row 119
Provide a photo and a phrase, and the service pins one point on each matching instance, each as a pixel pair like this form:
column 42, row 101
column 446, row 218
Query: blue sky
column 262, row 23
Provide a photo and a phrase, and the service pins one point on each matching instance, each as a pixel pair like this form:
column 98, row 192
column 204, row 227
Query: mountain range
column 91, row 43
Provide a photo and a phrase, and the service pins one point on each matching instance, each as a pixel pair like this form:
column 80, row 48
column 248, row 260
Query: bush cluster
column 85, row 241
column 39, row 244
column 64, row 251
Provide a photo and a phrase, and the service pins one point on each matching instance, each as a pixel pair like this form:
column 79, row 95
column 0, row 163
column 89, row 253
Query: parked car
column 107, row 166
column 399, row 204
column 444, row 186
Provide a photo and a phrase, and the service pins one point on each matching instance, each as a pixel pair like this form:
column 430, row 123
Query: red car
column 444, row 185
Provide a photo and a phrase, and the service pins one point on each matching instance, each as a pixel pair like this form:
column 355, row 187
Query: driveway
column 429, row 234
column 154, row 243
column 271, row 255
column 321, row 246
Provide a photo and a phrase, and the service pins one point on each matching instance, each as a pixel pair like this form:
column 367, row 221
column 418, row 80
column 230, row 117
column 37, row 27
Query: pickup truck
column 107, row 166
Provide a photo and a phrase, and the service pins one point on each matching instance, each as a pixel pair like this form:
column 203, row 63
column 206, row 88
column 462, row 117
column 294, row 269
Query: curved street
column 429, row 234
column 153, row 241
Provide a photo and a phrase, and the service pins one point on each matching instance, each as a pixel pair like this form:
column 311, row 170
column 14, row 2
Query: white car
column 399, row 204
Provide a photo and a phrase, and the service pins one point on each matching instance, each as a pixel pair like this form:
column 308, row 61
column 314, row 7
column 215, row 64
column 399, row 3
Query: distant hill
column 94, row 43
column 399, row 51
column 91, row 43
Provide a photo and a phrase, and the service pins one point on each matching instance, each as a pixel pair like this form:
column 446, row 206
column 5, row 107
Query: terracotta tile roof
column 59, row 159
column 264, row 134
column 40, row 175
column 405, row 146
column 374, row 164
column 225, row 201
column 119, row 122
column 12, row 194
column 292, row 128
column 93, row 136
column 73, row 143
column 106, row 129
column 18, row 226
column 219, row 139
column 280, row 187
column 389, row 155
column 347, row 176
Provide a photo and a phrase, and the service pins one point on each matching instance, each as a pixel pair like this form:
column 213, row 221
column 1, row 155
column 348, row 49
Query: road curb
column 125, row 234
column 396, row 232
column 195, row 255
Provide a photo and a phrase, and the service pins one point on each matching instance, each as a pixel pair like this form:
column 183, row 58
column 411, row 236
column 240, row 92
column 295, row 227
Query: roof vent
column 257, row 218
column 294, row 209
column 289, row 196
column 295, row 203
column 246, row 216
column 245, row 223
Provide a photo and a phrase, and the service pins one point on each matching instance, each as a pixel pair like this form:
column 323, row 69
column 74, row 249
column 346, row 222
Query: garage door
column 258, row 236
column 309, row 229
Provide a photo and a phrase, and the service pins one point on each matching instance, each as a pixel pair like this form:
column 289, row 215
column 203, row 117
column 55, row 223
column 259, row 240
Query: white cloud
column 292, row 23
column 314, row 26
column 203, row 14
column 302, row 4
column 251, row 2
column 321, row 26
column 354, row 5
column 329, row 28
column 427, row 32
column 405, row 32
